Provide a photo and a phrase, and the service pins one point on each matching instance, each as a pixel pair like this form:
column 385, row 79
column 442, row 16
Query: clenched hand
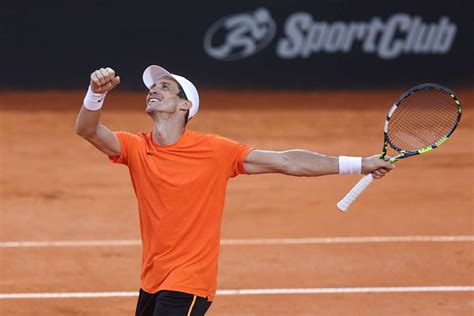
column 104, row 80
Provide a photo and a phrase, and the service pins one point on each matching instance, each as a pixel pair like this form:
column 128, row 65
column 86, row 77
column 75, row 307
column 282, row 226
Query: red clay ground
column 55, row 186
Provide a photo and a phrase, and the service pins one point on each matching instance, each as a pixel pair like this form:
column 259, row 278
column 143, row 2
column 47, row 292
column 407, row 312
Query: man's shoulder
column 138, row 137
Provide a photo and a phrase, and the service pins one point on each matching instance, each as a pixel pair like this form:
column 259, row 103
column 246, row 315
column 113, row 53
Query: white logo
column 247, row 33
column 243, row 35
column 401, row 34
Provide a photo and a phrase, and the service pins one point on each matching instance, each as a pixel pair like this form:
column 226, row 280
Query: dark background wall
column 57, row 44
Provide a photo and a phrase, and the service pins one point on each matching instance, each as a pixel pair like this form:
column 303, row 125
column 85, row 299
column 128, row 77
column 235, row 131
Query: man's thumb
column 113, row 83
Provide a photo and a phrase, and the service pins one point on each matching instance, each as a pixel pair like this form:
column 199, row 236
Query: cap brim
column 152, row 74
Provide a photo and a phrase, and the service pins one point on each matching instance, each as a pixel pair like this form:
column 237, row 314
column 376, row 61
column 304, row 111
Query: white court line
column 70, row 243
column 344, row 240
column 255, row 292
column 276, row 241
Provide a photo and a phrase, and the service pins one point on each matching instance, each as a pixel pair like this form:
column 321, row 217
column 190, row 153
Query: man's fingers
column 381, row 172
column 113, row 83
column 100, row 76
column 116, row 81
column 111, row 72
column 387, row 165
column 377, row 174
column 95, row 79
column 108, row 76
column 379, row 167
column 104, row 74
column 103, row 80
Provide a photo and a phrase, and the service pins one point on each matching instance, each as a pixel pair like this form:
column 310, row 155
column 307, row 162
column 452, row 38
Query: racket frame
column 409, row 153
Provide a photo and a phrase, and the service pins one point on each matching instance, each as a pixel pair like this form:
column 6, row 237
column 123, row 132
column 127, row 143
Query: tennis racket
column 420, row 120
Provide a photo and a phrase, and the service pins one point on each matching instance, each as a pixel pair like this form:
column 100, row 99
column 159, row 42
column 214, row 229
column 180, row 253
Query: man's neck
column 167, row 133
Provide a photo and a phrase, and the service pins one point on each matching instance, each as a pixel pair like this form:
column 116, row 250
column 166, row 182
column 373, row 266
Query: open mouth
column 153, row 99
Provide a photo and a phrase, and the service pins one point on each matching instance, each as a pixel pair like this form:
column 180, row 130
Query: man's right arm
column 87, row 123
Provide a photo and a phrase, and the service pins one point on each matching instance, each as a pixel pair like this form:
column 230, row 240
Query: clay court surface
column 57, row 187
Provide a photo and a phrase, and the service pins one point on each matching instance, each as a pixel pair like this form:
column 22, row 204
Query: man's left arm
column 304, row 163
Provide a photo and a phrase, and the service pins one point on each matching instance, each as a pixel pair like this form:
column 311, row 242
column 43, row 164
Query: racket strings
column 422, row 119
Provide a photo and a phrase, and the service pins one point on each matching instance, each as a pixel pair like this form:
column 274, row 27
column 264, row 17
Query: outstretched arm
column 304, row 163
column 87, row 123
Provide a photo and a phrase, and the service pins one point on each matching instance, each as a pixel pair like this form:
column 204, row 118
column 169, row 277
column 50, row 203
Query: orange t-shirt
column 180, row 191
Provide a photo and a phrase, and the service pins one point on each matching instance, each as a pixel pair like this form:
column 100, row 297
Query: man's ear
column 185, row 105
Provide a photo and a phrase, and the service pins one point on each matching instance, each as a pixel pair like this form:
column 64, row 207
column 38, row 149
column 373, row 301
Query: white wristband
column 93, row 101
column 350, row 165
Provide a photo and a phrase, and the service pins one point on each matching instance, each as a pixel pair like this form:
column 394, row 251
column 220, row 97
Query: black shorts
column 171, row 303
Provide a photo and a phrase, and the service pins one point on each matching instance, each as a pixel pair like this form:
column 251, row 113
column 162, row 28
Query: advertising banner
column 239, row 44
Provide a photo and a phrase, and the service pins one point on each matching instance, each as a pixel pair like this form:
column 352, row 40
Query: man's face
column 163, row 97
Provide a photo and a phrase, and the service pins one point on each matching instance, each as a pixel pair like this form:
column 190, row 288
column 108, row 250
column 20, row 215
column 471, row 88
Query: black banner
column 241, row 44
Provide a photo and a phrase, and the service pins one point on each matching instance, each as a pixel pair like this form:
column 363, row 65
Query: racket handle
column 353, row 194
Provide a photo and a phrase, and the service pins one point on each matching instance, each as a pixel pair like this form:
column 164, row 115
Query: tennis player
column 179, row 177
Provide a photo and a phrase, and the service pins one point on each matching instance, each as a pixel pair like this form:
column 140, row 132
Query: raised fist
column 104, row 80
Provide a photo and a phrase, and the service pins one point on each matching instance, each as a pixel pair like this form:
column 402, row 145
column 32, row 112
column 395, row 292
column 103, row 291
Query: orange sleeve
column 128, row 142
column 231, row 155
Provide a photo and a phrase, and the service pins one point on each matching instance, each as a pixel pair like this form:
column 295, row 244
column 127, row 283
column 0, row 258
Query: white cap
column 153, row 73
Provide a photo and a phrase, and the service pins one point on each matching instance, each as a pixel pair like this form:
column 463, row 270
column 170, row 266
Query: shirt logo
column 239, row 36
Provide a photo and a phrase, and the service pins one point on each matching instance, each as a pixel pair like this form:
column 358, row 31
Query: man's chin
column 150, row 110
